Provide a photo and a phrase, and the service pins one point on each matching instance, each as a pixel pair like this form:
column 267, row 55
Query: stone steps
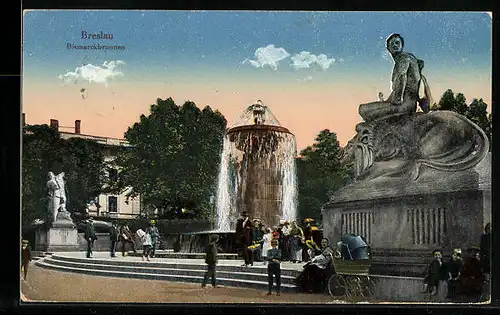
column 172, row 255
column 227, row 275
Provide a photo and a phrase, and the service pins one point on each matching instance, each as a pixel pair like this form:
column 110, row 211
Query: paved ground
column 56, row 286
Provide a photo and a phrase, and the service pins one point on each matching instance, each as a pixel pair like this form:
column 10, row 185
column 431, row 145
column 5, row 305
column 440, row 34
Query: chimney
column 77, row 126
column 24, row 119
column 54, row 123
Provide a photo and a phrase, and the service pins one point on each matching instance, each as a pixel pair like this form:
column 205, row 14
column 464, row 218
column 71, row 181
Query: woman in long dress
column 297, row 238
column 316, row 273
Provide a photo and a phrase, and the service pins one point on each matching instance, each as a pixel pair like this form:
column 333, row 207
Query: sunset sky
column 312, row 69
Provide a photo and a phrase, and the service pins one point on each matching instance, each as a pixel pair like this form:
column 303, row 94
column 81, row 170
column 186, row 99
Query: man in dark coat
column 25, row 258
column 90, row 236
column 113, row 236
column 211, row 260
column 244, row 229
column 485, row 248
column 472, row 276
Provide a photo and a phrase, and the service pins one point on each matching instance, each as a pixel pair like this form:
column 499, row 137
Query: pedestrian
column 25, row 259
column 146, row 244
column 126, row 237
column 435, row 273
column 244, row 229
column 472, row 278
column 454, row 268
column 273, row 267
column 155, row 234
column 266, row 244
column 297, row 239
column 113, row 236
column 90, row 236
column 485, row 247
column 211, row 260
column 257, row 235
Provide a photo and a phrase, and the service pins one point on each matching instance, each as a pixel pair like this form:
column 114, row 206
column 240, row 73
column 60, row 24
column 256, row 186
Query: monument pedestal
column 403, row 221
column 61, row 236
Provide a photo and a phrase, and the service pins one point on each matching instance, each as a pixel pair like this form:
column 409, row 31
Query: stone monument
column 421, row 178
column 59, row 233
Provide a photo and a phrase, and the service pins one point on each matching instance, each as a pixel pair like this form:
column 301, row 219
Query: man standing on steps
column 154, row 233
column 244, row 228
column 113, row 235
column 90, row 236
column 211, row 260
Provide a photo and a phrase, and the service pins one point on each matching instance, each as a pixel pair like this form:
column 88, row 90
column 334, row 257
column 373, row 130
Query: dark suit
column 211, row 261
column 244, row 234
column 113, row 235
column 90, row 237
column 274, row 268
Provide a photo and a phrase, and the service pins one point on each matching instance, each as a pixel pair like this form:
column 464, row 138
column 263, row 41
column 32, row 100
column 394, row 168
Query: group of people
column 122, row 234
column 460, row 278
column 254, row 238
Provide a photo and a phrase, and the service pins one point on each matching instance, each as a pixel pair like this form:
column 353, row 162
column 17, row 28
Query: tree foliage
column 45, row 151
column 320, row 172
column 476, row 111
column 173, row 159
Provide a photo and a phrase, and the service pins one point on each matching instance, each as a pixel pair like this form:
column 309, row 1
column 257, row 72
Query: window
column 112, row 204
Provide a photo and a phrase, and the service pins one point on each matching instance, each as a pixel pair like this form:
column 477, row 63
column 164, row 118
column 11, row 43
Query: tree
column 44, row 151
column 173, row 160
column 320, row 173
column 476, row 111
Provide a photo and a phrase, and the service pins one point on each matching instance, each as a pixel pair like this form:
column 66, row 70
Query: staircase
column 182, row 270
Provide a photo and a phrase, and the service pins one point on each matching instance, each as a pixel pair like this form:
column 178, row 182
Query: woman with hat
column 297, row 239
column 152, row 230
column 244, row 228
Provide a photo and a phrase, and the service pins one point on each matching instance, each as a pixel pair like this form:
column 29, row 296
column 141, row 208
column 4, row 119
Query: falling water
column 255, row 162
column 224, row 198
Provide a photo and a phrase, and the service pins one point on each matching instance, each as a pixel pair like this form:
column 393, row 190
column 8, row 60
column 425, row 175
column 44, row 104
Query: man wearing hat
column 90, row 236
column 154, row 233
column 455, row 266
column 244, row 228
column 435, row 273
column 472, row 276
column 25, row 258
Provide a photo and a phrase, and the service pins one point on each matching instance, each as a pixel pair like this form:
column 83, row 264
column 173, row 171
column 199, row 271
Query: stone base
column 404, row 221
column 57, row 239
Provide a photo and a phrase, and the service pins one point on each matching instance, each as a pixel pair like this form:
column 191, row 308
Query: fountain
column 257, row 172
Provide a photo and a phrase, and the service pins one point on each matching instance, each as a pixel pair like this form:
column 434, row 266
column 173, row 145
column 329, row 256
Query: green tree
column 476, row 111
column 173, row 159
column 447, row 101
column 320, row 173
column 44, row 151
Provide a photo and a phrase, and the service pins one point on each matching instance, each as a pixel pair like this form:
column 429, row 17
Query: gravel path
column 56, row 286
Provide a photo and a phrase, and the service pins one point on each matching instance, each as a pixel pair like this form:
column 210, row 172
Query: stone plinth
column 56, row 239
column 404, row 220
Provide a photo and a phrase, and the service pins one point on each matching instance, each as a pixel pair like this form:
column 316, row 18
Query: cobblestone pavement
column 56, row 286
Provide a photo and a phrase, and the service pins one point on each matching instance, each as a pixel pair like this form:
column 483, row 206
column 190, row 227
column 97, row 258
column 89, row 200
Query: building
column 105, row 205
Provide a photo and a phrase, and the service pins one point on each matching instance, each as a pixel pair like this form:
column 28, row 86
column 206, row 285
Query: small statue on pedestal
column 57, row 198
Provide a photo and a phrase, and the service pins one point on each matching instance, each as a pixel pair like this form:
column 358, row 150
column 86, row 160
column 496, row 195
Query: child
column 146, row 243
column 211, row 260
column 266, row 245
column 273, row 267
column 25, row 259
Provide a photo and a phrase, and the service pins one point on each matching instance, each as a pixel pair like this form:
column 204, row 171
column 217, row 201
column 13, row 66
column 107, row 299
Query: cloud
column 305, row 59
column 305, row 79
column 269, row 55
column 93, row 74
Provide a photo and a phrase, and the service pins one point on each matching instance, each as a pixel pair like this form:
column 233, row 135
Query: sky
column 312, row 69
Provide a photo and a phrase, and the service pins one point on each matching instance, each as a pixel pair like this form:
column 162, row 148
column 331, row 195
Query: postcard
column 256, row 157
